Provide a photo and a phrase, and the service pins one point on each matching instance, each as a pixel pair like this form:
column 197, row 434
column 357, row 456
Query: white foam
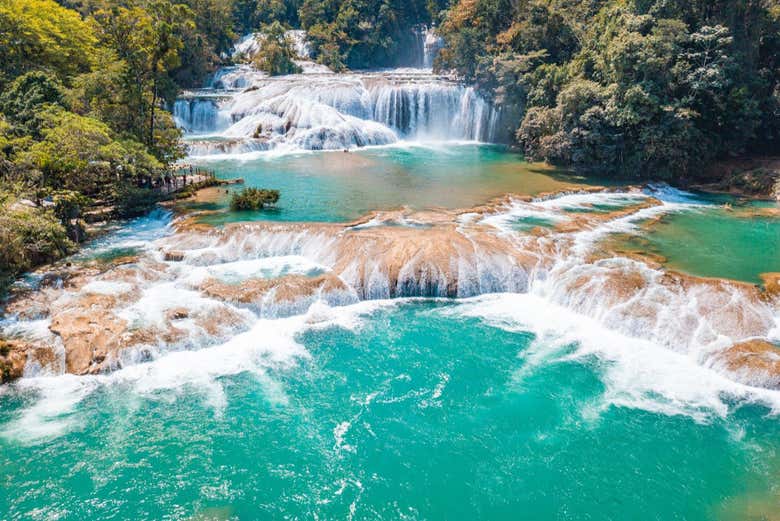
column 270, row 344
column 106, row 287
column 637, row 373
column 267, row 267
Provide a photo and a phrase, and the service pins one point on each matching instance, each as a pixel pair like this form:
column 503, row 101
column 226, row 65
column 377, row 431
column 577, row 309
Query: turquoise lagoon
column 494, row 407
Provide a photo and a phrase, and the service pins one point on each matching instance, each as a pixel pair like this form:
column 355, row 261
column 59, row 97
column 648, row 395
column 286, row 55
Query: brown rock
column 90, row 333
column 754, row 362
column 286, row 289
column 174, row 256
column 13, row 356
column 771, row 283
column 177, row 313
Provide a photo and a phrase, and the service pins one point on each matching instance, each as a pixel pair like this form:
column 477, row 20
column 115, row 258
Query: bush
column 132, row 201
column 253, row 199
column 276, row 55
column 30, row 237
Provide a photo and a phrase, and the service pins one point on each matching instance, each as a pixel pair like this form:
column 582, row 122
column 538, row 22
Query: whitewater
column 425, row 327
column 244, row 110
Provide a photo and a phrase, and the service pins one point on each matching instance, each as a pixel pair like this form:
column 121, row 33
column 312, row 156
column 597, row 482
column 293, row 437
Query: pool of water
column 342, row 186
column 410, row 410
column 737, row 243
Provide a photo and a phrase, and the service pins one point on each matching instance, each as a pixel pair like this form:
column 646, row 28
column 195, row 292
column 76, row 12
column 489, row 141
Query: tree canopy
column 644, row 88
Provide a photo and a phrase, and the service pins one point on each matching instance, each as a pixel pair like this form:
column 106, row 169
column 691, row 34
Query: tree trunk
column 151, row 118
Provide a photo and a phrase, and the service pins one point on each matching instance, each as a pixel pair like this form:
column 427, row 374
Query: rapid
column 444, row 355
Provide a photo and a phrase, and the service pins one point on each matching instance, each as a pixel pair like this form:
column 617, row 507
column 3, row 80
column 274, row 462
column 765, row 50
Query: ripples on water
column 406, row 408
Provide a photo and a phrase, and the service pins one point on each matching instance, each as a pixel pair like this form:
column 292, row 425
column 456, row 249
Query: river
column 425, row 327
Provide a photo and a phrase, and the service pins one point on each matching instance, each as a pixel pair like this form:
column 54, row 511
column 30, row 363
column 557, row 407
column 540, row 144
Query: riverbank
column 756, row 178
column 504, row 246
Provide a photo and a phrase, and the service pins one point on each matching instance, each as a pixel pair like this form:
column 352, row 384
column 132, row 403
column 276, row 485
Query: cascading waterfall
column 280, row 269
column 431, row 110
column 432, row 44
column 428, row 46
column 199, row 114
column 313, row 112
column 244, row 110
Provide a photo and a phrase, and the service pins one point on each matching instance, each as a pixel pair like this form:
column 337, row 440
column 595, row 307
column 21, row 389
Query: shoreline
column 421, row 244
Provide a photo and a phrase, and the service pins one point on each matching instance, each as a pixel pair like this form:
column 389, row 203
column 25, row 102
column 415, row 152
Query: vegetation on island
column 253, row 199
column 276, row 55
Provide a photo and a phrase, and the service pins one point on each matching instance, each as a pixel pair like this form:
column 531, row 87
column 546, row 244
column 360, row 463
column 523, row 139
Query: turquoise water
column 500, row 407
column 415, row 411
column 736, row 243
column 339, row 186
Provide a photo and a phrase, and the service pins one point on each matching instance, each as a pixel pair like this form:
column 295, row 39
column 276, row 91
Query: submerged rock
column 173, row 256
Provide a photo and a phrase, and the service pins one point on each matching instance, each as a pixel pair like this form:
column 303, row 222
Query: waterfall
column 244, row 110
column 428, row 44
column 432, row 44
column 199, row 114
column 430, row 110
column 332, row 111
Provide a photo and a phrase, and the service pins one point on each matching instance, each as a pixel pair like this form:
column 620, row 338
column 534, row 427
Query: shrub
column 276, row 55
column 132, row 201
column 30, row 236
column 253, row 199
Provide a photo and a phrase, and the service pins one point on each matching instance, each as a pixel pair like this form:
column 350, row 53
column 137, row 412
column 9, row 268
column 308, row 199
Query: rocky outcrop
column 91, row 333
column 273, row 292
column 757, row 178
column 753, row 362
column 13, row 356
column 771, row 283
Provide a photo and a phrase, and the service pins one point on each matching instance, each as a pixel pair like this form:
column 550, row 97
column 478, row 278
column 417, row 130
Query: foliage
column 41, row 34
column 363, row 33
column 30, row 236
column 84, row 85
column 148, row 41
column 645, row 88
column 253, row 199
column 132, row 201
column 276, row 55
column 79, row 153
column 206, row 40
column 25, row 97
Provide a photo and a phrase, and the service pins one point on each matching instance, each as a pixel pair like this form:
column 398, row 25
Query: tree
column 277, row 54
column 24, row 98
column 626, row 88
column 79, row 153
column 253, row 199
column 148, row 40
column 42, row 35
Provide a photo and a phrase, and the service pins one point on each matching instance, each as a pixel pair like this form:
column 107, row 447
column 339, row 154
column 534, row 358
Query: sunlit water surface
column 342, row 186
column 498, row 407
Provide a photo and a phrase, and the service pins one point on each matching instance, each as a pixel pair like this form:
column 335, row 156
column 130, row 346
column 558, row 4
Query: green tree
column 148, row 40
column 79, row 153
column 22, row 101
column 41, row 34
column 276, row 54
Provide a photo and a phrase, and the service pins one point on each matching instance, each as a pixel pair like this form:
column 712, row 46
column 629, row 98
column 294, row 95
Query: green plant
column 253, row 199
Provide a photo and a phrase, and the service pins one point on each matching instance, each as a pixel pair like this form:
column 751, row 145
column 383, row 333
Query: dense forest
column 631, row 88
column 640, row 88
